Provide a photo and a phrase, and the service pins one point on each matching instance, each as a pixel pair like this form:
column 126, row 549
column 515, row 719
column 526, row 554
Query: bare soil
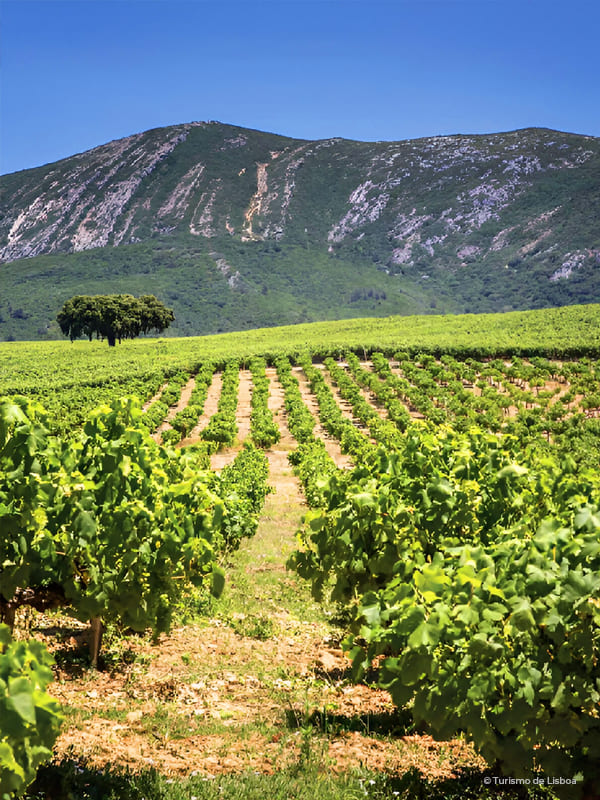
column 184, row 399
column 154, row 398
column 331, row 445
column 223, row 457
column 232, row 713
column 210, row 407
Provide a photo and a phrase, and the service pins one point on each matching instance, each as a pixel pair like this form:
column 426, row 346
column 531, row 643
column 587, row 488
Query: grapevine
column 111, row 525
column 29, row 718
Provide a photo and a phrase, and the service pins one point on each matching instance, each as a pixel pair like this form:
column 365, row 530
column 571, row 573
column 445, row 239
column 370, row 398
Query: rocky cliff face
column 413, row 208
column 209, row 179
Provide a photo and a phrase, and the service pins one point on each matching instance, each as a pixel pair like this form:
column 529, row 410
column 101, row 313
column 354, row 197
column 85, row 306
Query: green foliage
column 369, row 228
column 384, row 394
column 468, row 557
column 313, row 465
column 242, row 485
column 381, row 430
column 222, row 426
column 186, row 419
column 169, row 395
column 117, row 316
column 73, row 779
column 110, row 521
column 501, row 641
column 72, row 379
column 351, row 439
column 263, row 429
column 471, row 564
column 29, row 717
column 300, row 421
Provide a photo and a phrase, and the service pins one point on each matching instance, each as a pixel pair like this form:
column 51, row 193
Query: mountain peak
column 418, row 213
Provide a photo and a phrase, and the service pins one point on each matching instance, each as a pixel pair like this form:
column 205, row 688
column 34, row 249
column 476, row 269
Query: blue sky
column 78, row 73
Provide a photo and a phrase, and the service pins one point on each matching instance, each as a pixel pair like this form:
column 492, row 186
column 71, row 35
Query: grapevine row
column 351, row 440
column 310, row 459
column 222, row 426
column 382, row 431
column 114, row 527
column 170, row 395
column 186, row 419
column 470, row 563
column 263, row 429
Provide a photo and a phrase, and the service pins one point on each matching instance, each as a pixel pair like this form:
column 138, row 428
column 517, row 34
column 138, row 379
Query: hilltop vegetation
column 237, row 229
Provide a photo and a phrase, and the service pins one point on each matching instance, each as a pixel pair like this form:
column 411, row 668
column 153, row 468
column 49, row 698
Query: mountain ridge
column 465, row 222
column 299, row 139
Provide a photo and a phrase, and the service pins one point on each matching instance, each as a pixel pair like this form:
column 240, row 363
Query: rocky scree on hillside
column 426, row 192
column 469, row 213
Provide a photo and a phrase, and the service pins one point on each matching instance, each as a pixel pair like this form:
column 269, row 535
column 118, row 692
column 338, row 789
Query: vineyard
column 363, row 553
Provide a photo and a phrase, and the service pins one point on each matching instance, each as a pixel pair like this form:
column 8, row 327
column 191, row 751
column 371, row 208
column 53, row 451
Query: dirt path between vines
column 154, row 398
column 184, row 399
column 331, row 445
column 281, row 477
column 242, row 418
column 211, row 405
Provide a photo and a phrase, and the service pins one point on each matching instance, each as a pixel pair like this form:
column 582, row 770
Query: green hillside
column 237, row 229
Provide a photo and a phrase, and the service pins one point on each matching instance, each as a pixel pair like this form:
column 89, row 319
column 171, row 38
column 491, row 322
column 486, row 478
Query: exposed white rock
column 499, row 241
column 363, row 209
column 523, row 165
column 177, row 203
column 234, row 278
column 27, row 237
column 468, row 251
column 542, row 219
column 255, row 207
column 408, row 224
column 483, row 202
column 403, row 254
column 84, row 215
column 201, row 223
column 97, row 198
column 572, row 261
column 276, row 228
column 234, row 141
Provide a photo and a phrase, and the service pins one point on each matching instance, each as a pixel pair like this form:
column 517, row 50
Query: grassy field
column 571, row 330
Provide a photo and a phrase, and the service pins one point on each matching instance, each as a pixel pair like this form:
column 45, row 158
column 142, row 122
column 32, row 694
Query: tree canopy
column 113, row 316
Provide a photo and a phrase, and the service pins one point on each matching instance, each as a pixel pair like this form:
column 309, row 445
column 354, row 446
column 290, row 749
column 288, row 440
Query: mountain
column 236, row 228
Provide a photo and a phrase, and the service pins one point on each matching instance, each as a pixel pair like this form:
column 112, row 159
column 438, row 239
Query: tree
column 113, row 316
